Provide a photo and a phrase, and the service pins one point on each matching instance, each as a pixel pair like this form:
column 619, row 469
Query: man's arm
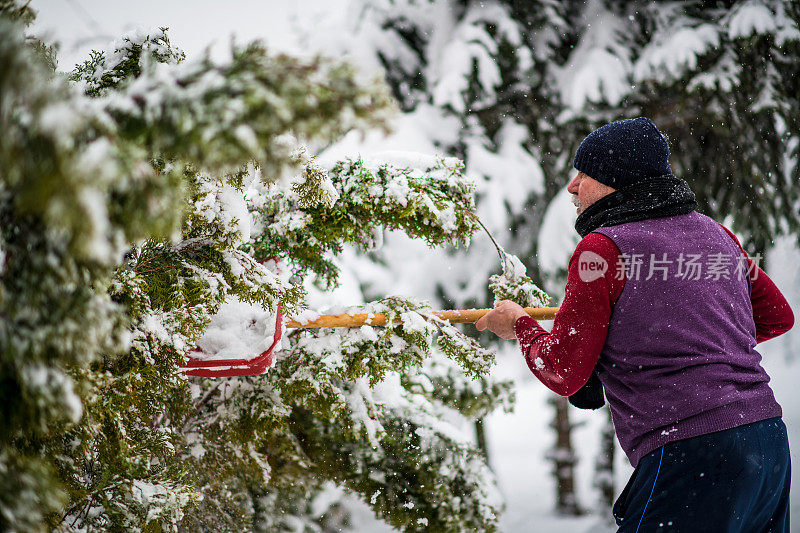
column 771, row 311
column 564, row 358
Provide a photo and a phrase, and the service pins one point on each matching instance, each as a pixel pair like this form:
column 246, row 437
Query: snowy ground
column 519, row 442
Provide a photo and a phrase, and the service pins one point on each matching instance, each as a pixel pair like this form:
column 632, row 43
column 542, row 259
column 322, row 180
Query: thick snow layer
column 239, row 330
column 598, row 67
column 600, row 76
column 411, row 132
column 469, row 47
column 506, row 175
column 407, row 159
column 673, row 53
column 225, row 205
column 751, row 18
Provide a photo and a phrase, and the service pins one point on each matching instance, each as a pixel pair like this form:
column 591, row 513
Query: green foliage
column 24, row 14
column 435, row 204
column 104, row 71
column 372, row 353
column 131, row 212
column 514, row 285
column 442, row 381
column 65, row 198
column 28, row 492
column 427, row 481
column 252, row 108
column 314, row 187
column 11, row 10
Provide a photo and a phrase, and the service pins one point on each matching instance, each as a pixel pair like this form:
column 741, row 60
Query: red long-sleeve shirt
column 564, row 358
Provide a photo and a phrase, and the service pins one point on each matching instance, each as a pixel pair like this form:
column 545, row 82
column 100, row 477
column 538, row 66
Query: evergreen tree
column 563, row 459
column 141, row 201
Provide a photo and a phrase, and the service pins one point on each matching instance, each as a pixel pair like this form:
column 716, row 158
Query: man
column 662, row 310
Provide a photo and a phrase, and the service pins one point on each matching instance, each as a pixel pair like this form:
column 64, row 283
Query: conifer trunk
column 604, row 465
column 563, row 458
column 480, row 438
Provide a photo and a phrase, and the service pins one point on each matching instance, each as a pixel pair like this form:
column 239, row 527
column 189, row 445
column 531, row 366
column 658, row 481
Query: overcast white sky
column 80, row 25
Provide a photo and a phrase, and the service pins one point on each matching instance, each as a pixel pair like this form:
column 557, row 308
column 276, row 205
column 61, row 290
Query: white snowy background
column 517, row 441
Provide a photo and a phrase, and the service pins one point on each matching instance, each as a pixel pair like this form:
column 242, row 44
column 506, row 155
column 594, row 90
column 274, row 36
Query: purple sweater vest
column 679, row 359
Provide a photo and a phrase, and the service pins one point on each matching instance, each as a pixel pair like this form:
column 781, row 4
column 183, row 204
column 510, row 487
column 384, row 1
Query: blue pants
column 735, row 480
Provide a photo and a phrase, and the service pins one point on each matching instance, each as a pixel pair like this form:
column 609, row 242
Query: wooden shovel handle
column 379, row 319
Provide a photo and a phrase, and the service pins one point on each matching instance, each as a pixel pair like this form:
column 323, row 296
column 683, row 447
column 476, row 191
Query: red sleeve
column 564, row 358
column 771, row 311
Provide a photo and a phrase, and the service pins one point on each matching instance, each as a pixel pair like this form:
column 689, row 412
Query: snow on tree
column 143, row 203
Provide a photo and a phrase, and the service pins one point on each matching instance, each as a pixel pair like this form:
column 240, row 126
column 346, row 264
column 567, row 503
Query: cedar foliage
column 122, row 203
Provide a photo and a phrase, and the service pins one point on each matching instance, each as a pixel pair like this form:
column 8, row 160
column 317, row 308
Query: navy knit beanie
column 624, row 152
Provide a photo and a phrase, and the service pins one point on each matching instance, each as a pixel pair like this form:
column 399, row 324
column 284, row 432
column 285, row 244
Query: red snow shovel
column 197, row 366
column 223, row 368
column 200, row 363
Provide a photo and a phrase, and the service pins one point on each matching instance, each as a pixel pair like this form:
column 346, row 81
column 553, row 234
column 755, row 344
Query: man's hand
column 501, row 319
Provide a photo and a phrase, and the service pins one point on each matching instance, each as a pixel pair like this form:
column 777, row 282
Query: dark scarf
column 664, row 196
column 659, row 197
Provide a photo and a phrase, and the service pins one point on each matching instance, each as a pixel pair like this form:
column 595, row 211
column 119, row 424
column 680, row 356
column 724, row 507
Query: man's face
column 586, row 191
